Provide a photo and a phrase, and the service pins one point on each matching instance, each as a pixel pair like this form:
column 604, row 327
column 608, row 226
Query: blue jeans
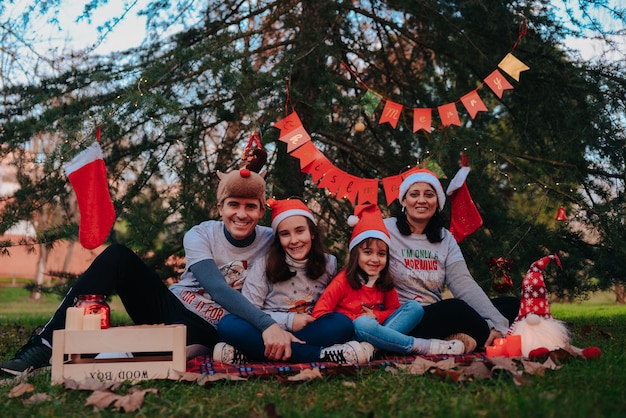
column 330, row 329
column 392, row 334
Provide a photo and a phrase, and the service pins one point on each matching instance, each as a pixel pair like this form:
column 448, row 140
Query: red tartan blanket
column 205, row 365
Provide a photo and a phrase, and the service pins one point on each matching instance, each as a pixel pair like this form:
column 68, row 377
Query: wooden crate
column 159, row 353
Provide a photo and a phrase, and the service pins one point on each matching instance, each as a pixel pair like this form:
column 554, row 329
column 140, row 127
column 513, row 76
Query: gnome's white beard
column 538, row 332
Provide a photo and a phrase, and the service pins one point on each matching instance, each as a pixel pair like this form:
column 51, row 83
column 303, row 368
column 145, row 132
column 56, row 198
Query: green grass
column 579, row 389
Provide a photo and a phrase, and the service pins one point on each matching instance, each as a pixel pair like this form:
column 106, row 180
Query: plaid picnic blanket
column 206, row 365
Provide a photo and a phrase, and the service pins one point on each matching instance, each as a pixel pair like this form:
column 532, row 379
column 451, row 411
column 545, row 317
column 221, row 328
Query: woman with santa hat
column 425, row 258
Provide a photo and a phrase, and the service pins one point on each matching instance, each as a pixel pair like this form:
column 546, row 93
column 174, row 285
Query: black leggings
column 144, row 295
column 451, row 316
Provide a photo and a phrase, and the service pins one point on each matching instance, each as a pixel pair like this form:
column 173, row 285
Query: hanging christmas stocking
column 465, row 217
column 87, row 174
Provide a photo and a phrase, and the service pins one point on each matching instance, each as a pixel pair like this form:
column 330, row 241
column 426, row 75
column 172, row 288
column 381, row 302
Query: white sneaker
column 352, row 352
column 446, row 347
column 227, row 354
column 369, row 350
column 468, row 342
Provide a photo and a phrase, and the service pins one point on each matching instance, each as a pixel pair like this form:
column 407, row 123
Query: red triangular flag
column 288, row 124
column 295, row 138
column 307, row 153
column 391, row 186
column 368, row 191
column 391, row 113
column 473, row 103
column 422, row 119
column 449, row 115
column 498, row 83
column 349, row 188
column 332, row 180
column 318, row 168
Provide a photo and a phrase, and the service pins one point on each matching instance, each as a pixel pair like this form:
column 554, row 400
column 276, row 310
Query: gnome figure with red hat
column 538, row 328
column 541, row 333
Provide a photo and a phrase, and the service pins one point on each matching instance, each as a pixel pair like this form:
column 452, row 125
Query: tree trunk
column 620, row 293
column 39, row 273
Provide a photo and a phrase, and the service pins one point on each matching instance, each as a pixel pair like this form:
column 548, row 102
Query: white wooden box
column 159, row 353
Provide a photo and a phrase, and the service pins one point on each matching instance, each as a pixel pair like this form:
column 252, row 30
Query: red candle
column 514, row 345
column 495, row 351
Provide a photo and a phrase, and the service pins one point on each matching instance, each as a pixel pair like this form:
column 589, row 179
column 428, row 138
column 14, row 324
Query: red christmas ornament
column 560, row 216
column 501, row 267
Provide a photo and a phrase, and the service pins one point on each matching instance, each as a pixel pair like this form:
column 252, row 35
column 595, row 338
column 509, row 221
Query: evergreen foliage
column 182, row 106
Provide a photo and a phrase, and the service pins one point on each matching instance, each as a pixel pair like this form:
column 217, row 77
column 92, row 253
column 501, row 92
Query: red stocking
column 465, row 217
column 87, row 174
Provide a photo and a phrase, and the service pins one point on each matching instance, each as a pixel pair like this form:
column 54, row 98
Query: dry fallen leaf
column 36, row 398
column 447, row 364
column 419, row 366
column 102, row 398
column 91, row 384
column 21, row 389
column 477, row 370
column 304, row 376
column 132, row 401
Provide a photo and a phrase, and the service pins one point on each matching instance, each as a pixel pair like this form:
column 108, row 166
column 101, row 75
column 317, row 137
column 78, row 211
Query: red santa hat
column 368, row 223
column 534, row 292
column 422, row 175
column 282, row 209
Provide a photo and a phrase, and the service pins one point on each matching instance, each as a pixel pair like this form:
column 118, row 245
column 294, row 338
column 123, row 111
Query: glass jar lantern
column 96, row 304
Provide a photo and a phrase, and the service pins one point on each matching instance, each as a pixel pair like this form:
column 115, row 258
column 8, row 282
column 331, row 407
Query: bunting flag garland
column 339, row 183
column 358, row 190
column 448, row 114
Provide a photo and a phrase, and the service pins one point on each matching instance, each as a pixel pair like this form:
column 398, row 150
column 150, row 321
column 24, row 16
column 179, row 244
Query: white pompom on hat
column 282, row 209
column 368, row 223
column 422, row 175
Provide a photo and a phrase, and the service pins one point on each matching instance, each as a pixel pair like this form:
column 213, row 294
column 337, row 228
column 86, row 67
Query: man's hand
column 278, row 343
column 300, row 321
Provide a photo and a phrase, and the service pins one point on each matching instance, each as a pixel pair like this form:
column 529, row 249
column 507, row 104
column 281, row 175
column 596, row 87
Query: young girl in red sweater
column 364, row 292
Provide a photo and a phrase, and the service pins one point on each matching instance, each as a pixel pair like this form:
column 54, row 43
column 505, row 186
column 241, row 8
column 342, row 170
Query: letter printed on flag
column 422, row 119
column 391, row 186
column 449, row 115
column 473, row 103
column 391, row 113
column 497, row 83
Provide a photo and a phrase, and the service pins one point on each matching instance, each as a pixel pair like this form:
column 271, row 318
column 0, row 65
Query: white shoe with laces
column 227, row 354
column 446, row 347
column 352, row 352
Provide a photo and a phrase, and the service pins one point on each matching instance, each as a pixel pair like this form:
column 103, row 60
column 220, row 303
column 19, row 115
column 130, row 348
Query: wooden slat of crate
column 138, row 339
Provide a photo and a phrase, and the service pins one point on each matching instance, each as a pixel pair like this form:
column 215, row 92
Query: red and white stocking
column 465, row 218
column 88, row 176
